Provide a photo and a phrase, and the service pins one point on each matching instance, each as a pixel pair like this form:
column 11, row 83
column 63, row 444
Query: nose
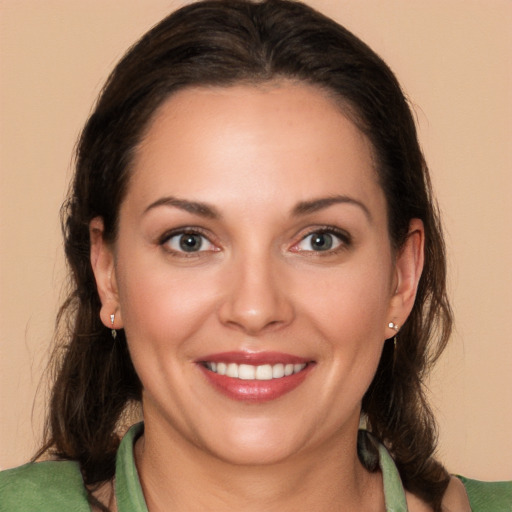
column 257, row 298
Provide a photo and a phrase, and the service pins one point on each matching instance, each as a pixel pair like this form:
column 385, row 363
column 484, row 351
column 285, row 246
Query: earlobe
column 408, row 269
column 102, row 263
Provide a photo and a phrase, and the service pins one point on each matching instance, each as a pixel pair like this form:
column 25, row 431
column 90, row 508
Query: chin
column 255, row 455
column 256, row 444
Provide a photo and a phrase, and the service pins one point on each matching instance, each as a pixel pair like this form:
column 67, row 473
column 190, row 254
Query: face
column 253, row 272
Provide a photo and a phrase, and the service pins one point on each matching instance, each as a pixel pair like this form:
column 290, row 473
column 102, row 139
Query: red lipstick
column 255, row 377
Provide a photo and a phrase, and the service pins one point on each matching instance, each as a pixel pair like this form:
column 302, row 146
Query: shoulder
column 55, row 486
column 454, row 499
column 465, row 495
column 485, row 496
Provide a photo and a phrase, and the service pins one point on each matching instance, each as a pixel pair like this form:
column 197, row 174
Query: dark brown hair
column 224, row 42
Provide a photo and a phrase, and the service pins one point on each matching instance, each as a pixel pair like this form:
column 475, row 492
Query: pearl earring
column 393, row 326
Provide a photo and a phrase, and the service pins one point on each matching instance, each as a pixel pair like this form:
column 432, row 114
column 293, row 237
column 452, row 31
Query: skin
column 252, row 155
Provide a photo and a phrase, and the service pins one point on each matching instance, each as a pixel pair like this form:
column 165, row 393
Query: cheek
column 162, row 307
column 350, row 310
column 353, row 323
column 352, row 301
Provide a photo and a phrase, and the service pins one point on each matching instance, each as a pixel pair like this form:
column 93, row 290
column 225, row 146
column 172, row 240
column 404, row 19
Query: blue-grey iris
column 321, row 241
column 190, row 242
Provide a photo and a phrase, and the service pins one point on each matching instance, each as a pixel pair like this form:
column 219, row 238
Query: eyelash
column 343, row 238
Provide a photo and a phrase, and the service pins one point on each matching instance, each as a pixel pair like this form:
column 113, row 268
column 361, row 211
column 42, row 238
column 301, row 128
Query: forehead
column 281, row 139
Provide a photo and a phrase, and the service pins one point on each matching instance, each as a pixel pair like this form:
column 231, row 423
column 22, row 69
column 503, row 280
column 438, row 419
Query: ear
column 408, row 269
column 102, row 262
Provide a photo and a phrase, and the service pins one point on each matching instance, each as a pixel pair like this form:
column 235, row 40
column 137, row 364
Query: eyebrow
column 302, row 208
column 195, row 207
column 307, row 207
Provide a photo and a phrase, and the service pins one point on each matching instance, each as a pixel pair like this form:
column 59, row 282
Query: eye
column 187, row 242
column 322, row 241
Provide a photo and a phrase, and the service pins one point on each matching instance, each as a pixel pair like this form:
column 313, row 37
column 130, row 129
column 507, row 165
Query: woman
column 259, row 262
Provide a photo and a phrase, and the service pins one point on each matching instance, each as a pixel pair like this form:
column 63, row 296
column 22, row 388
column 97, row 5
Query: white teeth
column 246, row 372
column 232, row 370
column 251, row 372
column 264, row 372
column 278, row 371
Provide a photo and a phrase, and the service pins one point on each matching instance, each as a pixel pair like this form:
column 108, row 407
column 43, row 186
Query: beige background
column 453, row 58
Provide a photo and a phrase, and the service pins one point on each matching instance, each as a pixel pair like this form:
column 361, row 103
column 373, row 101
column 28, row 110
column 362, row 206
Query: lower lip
column 255, row 391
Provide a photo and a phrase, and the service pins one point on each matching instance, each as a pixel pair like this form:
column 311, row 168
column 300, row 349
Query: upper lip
column 254, row 358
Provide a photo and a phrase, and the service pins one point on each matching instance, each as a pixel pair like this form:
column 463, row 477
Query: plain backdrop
column 453, row 58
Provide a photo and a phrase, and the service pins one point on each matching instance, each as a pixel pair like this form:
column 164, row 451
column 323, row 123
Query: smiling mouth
column 253, row 372
column 255, row 377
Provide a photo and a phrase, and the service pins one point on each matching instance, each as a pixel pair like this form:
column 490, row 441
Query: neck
column 179, row 476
